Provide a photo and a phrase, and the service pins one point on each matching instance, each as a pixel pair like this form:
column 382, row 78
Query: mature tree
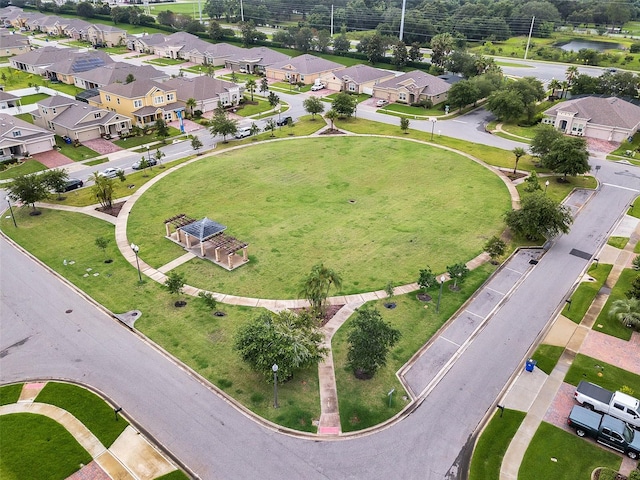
column 518, row 152
column 56, row 180
column 273, row 99
column 627, row 312
column 441, row 46
column 291, row 341
column 314, row 106
column 374, row 46
column 461, row 62
column 322, row 41
column 264, row 85
column 217, row 32
column 191, row 104
column 506, row 105
column 102, row 243
column 634, row 291
column 251, row 87
column 341, row 44
column 487, row 83
column 463, row 93
column 331, row 115
column 270, row 126
column 415, row 55
column 344, row 104
column 102, row 188
column 585, row 84
column 539, row 217
column 196, row 144
column 316, row 286
column 174, row 284
column 619, row 84
column 370, row 339
column 284, row 37
column 162, row 129
column 85, row 10
column 427, row 278
column 635, row 263
column 458, row 272
column 303, row 39
column 543, row 139
column 29, row 189
column 568, row 156
column 250, row 35
column 404, row 125
column 166, row 17
column 495, row 247
column 530, row 90
column 221, row 124
column 214, row 8
column 400, row 55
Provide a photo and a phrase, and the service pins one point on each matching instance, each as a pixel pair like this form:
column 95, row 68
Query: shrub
column 634, row 48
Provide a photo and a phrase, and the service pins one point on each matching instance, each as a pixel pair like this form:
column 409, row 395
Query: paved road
column 38, row 339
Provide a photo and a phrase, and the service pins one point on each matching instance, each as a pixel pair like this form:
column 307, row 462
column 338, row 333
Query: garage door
column 39, row 146
column 367, row 90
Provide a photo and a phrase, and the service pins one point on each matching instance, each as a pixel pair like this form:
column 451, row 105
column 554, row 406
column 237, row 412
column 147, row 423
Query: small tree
column 635, row 263
column 254, row 129
column 532, row 183
column 264, row 85
column 56, row 180
column 495, row 247
column 273, row 99
column 270, row 126
column 388, row 289
column 196, row 144
column 174, row 284
column 191, row 104
column 627, row 312
column 251, row 87
column 221, row 124
column 162, row 130
column 209, row 300
column 634, row 291
column 29, row 189
column 370, row 339
column 458, row 272
column 102, row 243
column 518, row 152
column 331, row 115
column 120, row 175
column 158, row 156
column 102, row 189
column 317, row 285
column 404, row 125
column 427, row 278
column 144, row 164
column 314, row 106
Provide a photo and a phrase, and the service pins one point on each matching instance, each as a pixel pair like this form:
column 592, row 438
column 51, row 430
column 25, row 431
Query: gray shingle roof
column 135, row 89
column 199, row 88
column 80, row 115
column 8, row 123
column 306, row 64
column 10, row 41
column 418, row 82
column 44, row 56
column 261, row 55
column 56, row 101
column 81, row 62
column 7, row 96
column 609, row 111
column 118, row 72
column 223, row 50
column 362, row 73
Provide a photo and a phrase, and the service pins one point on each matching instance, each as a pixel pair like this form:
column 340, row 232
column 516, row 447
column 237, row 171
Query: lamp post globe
column 274, row 368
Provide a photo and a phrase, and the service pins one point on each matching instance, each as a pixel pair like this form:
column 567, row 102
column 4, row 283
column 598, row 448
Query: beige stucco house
column 206, row 91
column 356, row 79
column 411, row 87
column 305, row 68
column 17, row 138
column 108, row 35
column 13, row 44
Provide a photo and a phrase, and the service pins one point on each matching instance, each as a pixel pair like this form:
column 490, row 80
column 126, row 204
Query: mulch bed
column 328, row 315
column 596, row 476
column 330, row 131
column 114, row 211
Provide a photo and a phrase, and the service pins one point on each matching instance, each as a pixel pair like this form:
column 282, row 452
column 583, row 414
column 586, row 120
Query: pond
column 577, row 45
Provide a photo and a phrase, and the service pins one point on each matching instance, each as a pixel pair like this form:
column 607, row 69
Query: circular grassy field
column 373, row 209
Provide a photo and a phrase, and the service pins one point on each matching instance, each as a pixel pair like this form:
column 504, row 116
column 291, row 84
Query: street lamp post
column 433, row 121
column 136, row 249
column 13, row 217
column 442, row 279
column 546, row 185
column 148, row 154
column 275, row 385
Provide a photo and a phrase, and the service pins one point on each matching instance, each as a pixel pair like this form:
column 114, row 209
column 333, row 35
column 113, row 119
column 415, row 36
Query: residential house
column 605, row 118
column 8, row 100
column 206, row 91
column 116, row 72
column 305, row 68
column 356, row 79
column 14, row 17
column 77, row 120
column 216, row 54
column 76, row 29
column 19, row 138
column 254, row 60
column 144, row 101
column 13, row 44
column 106, row 35
column 65, row 70
column 36, row 61
column 145, row 43
column 412, row 87
column 177, row 44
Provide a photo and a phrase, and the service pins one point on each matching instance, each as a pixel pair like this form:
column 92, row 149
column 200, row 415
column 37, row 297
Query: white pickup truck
column 616, row 404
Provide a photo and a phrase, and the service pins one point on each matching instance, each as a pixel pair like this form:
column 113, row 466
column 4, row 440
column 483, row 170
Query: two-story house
column 144, row 101
column 105, row 35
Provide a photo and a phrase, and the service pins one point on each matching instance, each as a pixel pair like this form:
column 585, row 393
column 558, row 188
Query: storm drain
column 579, row 253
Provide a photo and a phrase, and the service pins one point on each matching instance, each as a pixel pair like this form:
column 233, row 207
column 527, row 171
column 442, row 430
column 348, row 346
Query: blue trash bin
column 529, row 365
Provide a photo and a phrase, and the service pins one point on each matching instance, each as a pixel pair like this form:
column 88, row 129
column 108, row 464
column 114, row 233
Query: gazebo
column 202, row 236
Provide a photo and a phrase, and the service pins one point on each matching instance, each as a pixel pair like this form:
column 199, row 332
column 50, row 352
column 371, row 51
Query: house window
column 352, row 87
column 17, row 133
column 402, row 97
column 302, row 78
column 158, row 99
column 137, row 103
column 168, row 116
column 107, row 98
column 96, row 115
column 54, row 110
column 170, row 97
column 50, row 125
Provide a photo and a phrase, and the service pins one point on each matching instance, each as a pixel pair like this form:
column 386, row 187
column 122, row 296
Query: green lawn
column 30, row 166
column 634, row 211
column 77, row 154
column 192, row 334
column 152, row 138
column 625, row 145
column 559, row 190
column 547, row 357
column 575, row 457
column 601, row 373
column 493, row 444
column 10, row 393
column 37, row 447
column 26, row 117
column 295, row 214
column 87, row 407
column 248, row 109
column 364, row 403
column 361, row 97
column 409, row 110
column 31, row 99
column 165, row 61
column 517, row 130
column 618, row 242
column 586, row 292
column 610, row 325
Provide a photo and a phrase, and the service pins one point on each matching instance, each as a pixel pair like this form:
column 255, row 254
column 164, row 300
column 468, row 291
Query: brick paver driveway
column 52, row 159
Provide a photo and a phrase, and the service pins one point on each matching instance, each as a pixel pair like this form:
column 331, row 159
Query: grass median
column 606, row 324
column 586, row 292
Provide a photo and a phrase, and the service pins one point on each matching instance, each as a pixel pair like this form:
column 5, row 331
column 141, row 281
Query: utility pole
column 241, row 11
column 404, row 5
column 332, row 20
column 526, row 51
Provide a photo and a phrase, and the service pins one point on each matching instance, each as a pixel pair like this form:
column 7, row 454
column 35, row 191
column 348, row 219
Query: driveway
column 52, row 159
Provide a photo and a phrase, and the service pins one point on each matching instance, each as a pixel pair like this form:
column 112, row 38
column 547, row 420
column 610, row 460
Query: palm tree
column 191, row 104
column 251, row 86
column 316, row 287
column 518, row 152
column 627, row 312
column 571, row 74
column 331, row 115
column 554, row 86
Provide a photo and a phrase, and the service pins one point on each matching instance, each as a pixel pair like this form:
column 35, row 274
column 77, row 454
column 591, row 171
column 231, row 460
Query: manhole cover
column 68, row 311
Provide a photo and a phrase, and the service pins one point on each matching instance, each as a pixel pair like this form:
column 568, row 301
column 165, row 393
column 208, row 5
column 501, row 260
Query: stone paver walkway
column 614, row 351
column 101, row 146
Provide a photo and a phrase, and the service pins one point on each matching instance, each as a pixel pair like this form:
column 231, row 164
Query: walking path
column 537, row 394
column 130, row 457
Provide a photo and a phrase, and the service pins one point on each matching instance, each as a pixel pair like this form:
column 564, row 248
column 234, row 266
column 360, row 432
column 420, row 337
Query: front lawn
column 601, row 373
column 37, row 447
column 634, row 211
column 586, row 292
column 248, row 109
column 31, row 99
column 10, row 393
column 364, row 403
column 559, row 455
column 609, row 325
column 547, row 357
column 77, row 154
column 151, row 138
column 164, row 62
column 493, row 443
column 557, row 190
column 25, row 168
column 618, row 242
column 434, row 111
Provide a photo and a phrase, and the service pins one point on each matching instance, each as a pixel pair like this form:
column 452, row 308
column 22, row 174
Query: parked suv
column 72, row 184
column 243, row 132
column 150, row 162
column 284, row 121
column 317, row 86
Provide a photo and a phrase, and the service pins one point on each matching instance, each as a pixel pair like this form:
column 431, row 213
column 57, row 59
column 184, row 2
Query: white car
column 110, row 172
column 381, row 103
column 317, row 86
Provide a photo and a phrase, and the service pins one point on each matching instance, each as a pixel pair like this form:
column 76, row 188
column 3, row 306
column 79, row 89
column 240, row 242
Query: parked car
column 317, row 86
column 609, row 431
column 381, row 103
column 72, row 184
column 284, row 121
column 110, row 172
column 616, row 404
column 150, row 162
column 243, row 132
